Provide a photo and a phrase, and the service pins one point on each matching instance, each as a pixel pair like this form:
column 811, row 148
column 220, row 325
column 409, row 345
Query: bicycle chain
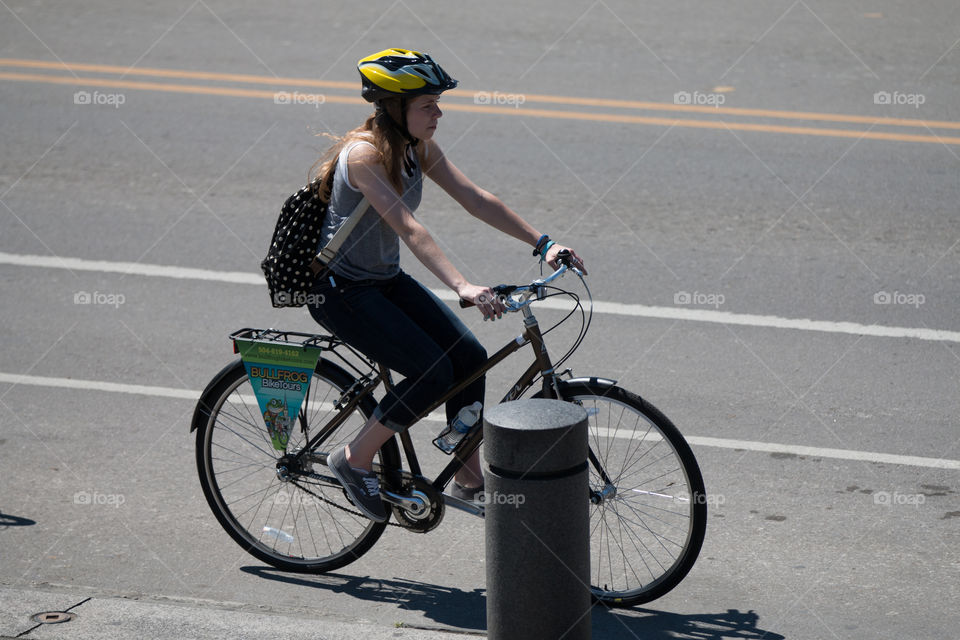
column 341, row 507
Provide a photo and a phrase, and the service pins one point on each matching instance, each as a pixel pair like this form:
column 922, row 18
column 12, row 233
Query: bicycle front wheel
column 648, row 511
column 283, row 517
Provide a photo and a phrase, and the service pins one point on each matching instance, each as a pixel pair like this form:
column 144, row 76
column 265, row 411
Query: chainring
column 429, row 520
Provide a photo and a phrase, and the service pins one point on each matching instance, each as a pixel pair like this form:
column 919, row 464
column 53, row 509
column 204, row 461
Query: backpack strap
column 329, row 252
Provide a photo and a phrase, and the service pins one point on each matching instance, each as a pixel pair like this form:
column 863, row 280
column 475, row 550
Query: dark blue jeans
column 402, row 325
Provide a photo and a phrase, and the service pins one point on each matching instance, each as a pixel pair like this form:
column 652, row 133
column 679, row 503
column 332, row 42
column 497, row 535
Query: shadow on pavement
column 444, row 605
column 7, row 520
column 662, row 625
column 467, row 609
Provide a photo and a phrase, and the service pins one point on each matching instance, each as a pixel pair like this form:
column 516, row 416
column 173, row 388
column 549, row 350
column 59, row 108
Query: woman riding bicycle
column 368, row 301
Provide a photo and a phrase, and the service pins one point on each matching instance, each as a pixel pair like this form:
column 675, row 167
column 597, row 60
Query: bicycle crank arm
column 414, row 505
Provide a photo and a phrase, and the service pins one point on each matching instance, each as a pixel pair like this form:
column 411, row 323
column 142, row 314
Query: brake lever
column 566, row 258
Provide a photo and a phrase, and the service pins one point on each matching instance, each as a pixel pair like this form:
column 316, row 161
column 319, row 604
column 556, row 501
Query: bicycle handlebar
column 504, row 291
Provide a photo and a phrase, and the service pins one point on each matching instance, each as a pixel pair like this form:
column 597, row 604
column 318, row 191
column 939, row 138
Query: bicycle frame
column 471, row 442
column 656, row 520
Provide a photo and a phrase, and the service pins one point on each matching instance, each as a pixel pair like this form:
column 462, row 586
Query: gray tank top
column 372, row 250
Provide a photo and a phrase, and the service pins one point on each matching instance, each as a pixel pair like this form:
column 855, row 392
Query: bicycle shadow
column 467, row 609
column 7, row 520
column 444, row 605
column 663, row 625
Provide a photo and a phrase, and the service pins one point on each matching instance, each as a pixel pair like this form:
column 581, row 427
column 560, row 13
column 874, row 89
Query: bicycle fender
column 602, row 382
column 201, row 412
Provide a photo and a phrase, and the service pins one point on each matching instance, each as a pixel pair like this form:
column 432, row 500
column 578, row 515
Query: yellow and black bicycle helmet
column 401, row 73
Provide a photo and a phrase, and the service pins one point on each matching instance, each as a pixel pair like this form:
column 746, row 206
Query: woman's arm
column 369, row 175
column 478, row 202
column 483, row 205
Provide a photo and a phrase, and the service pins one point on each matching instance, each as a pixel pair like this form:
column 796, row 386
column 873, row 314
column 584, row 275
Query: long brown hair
column 383, row 130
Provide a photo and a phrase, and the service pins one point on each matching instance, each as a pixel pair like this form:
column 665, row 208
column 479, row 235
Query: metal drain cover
column 53, row 617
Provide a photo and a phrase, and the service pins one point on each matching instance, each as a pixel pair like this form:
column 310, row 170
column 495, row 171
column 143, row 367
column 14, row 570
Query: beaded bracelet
column 536, row 249
column 546, row 247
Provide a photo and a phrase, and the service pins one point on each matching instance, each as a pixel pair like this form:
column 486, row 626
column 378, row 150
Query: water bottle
column 451, row 436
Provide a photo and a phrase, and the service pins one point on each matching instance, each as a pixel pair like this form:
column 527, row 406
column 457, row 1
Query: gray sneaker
column 363, row 488
column 469, row 494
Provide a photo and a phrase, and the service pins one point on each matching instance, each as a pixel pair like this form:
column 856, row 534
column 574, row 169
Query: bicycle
column 648, row 504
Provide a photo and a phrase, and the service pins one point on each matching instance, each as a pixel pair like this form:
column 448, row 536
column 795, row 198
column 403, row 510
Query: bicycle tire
column 646, row 536
column 306, row 526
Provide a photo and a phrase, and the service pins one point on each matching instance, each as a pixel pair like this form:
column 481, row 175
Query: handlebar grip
column 500, row 290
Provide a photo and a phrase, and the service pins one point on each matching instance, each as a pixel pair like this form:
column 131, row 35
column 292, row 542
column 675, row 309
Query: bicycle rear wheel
column 296, row 523
column 648, row 511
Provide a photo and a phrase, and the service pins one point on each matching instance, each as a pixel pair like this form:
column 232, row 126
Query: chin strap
column 401, row 126
column 408, row 163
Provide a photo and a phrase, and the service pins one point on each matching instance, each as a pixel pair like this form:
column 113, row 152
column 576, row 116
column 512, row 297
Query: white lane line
column 748, row 319
column 131, row 268
column 611, row 308
column 97, row 385
column 701, row 441
column 821, row 452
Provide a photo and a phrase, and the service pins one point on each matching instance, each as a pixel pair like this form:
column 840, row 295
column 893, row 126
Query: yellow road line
column 488, row 109
column 740, row 111
column 527, row 97
column 706, row 124
column 163, row 86
column 176, row 73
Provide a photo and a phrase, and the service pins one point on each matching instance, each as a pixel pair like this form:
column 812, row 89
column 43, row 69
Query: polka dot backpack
column 292, row 264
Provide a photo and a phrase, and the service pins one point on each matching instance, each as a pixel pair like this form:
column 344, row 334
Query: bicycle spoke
column 294, row 522
column 644, row 531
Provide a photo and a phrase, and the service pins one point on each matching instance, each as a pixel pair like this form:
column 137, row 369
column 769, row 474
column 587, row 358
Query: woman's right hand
column 489, row 304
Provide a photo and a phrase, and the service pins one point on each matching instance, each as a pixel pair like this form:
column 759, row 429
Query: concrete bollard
column 537, row 521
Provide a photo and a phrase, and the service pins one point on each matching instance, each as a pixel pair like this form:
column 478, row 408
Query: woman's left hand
column 557, row 248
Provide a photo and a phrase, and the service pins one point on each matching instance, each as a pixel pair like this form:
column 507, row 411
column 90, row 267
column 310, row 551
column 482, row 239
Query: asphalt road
column 729, row 172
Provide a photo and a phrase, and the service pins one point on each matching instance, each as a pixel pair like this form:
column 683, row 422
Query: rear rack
column 293, row 338
column 330, row 344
